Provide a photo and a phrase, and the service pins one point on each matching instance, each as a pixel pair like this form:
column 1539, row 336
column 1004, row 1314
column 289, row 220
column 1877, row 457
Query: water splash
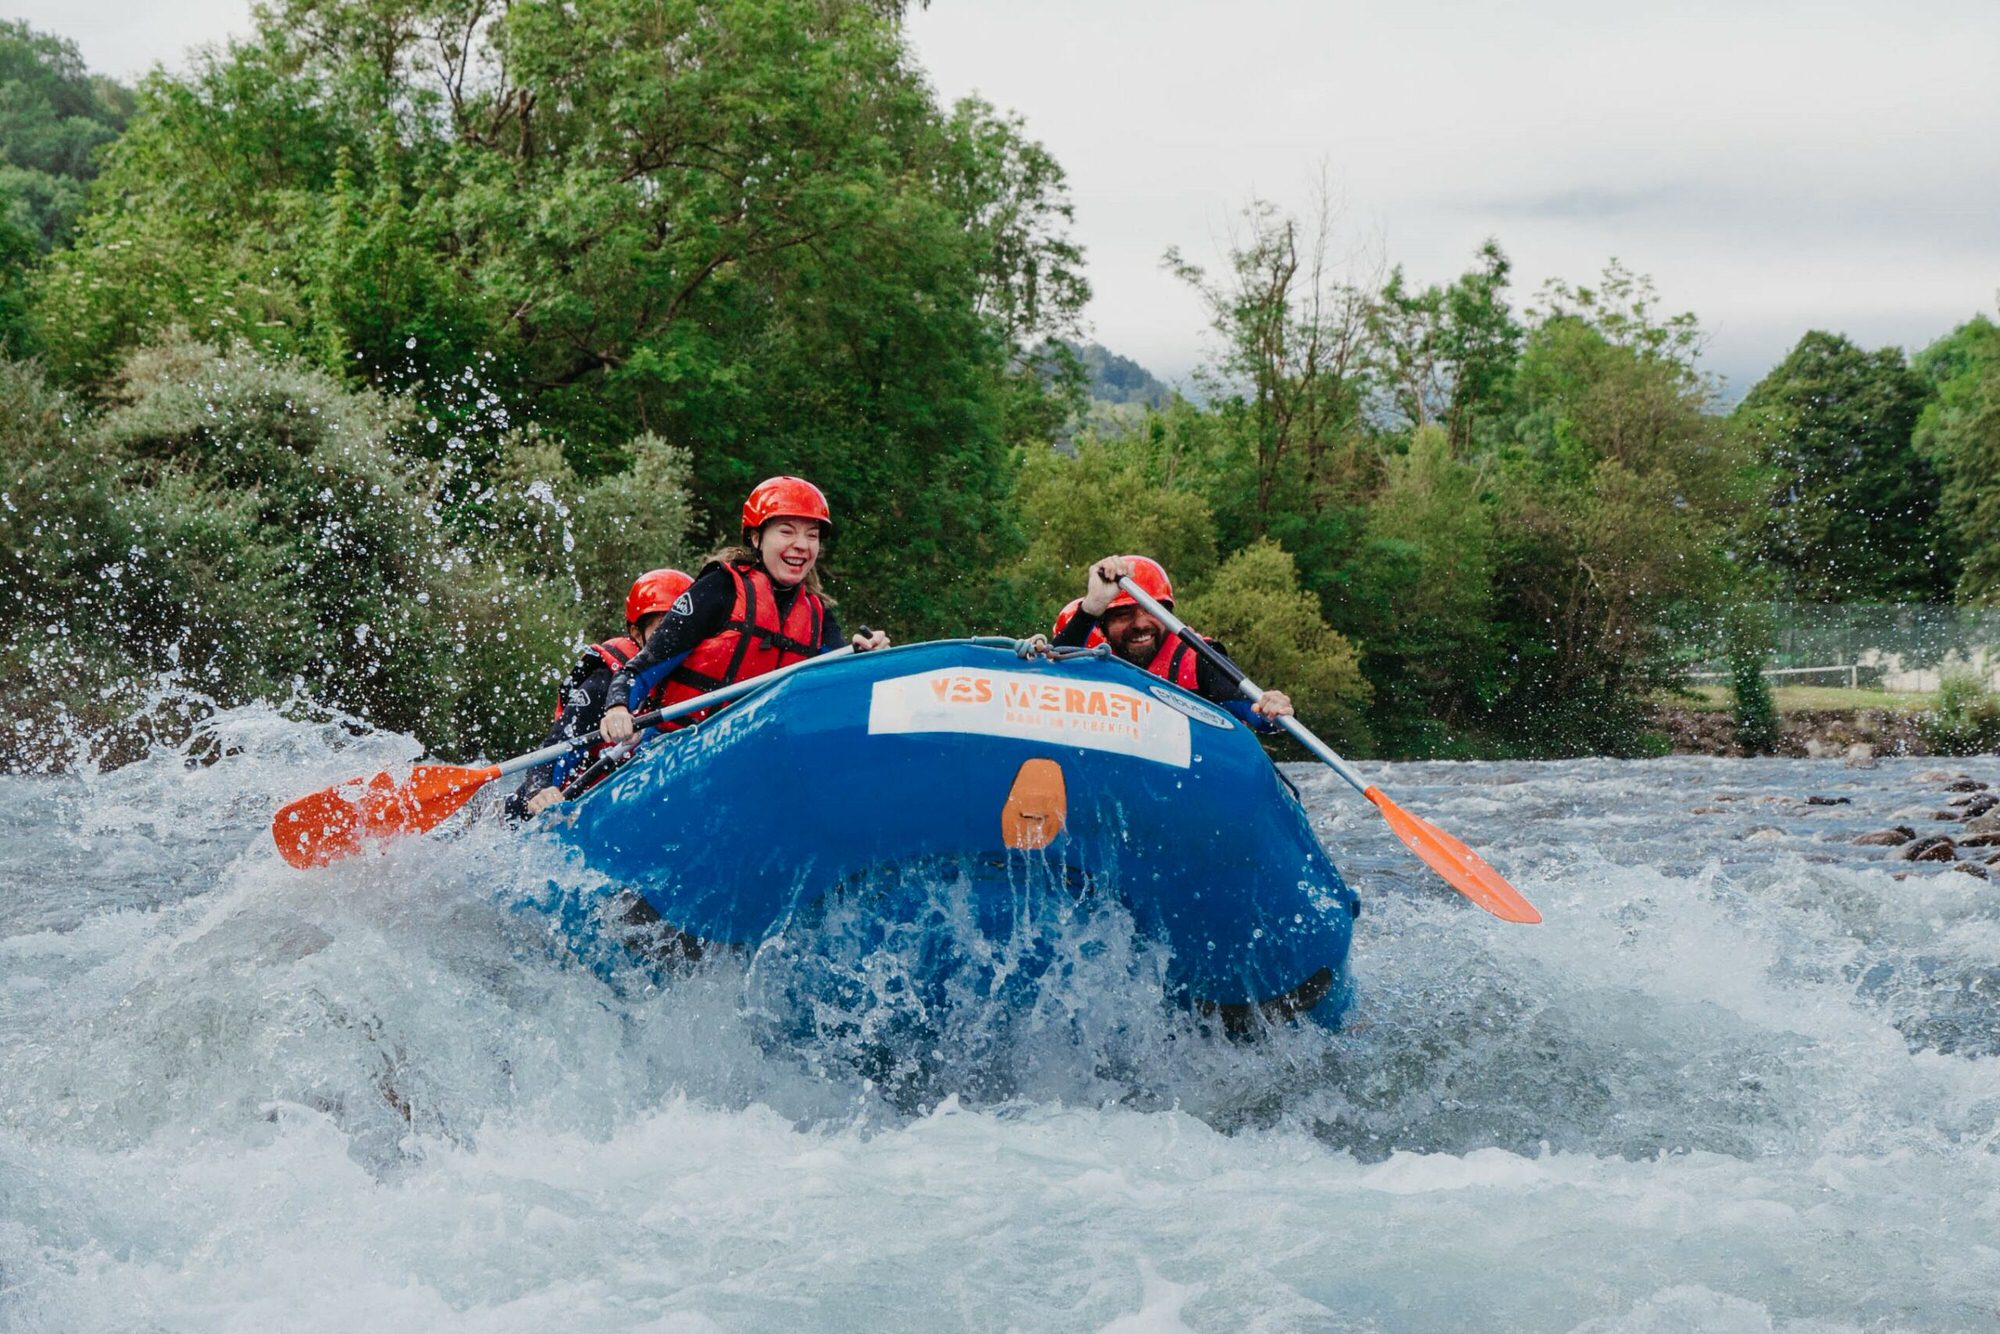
column 1740, row 1079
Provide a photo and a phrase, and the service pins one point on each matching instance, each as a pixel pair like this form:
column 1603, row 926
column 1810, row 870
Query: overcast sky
column 1774, row 166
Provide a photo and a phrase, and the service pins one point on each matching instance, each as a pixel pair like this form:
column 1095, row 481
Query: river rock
column 1966, row 785
column 1935, row 848
column 1817, row 749
column 1763, row 833
column 1988, row 823
column 1937, row 776
column 1710, row 810
column 1887, row 838
column 1829, row 801
column 1979, row 840
column 1861, row 755
column 1971, row 868
column 1946, row 815
column 1980, row 804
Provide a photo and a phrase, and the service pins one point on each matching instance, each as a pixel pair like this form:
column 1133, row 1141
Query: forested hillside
column 365, row 360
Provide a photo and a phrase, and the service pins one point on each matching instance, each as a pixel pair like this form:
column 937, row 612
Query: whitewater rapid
column 1742, row 1078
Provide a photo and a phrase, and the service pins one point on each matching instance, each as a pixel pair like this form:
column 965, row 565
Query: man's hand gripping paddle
column 1462, row 868
column 338, row 821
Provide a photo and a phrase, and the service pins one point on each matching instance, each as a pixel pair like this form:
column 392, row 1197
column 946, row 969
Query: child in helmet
column 580, row 706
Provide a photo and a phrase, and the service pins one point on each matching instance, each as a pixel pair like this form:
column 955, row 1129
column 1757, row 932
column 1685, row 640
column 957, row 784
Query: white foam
column 1727, row 1085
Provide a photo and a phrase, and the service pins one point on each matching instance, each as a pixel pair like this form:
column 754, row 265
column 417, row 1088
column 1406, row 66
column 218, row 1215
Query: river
column 1742, row 1078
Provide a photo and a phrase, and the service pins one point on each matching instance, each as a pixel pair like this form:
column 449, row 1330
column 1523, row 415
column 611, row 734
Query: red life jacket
column 1177, row 663
column 753, row 641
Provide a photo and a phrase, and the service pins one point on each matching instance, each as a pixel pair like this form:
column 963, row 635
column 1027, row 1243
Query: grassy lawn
column 1797, row 699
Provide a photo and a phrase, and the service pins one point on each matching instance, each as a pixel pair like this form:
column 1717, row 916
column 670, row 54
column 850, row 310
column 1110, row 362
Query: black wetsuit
column 583, row 697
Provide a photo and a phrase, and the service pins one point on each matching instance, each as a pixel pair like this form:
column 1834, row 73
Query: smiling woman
column 754, row 609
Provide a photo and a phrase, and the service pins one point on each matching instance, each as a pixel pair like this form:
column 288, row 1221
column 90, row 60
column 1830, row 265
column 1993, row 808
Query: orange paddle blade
column 334, row 822
column 1463, row 869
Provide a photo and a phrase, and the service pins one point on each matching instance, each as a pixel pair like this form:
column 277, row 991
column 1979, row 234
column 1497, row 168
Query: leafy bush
column 1272, row 629
column 1964, row 719
column 557, row 556
column 1101, row 503
column 1420, row 599
column 1748, row 632
column 58, row 531
column 289, row 546
column 249, row 528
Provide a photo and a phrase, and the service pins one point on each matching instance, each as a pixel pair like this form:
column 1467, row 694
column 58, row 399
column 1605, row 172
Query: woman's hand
column 868, row 639
column 617, row 724
column 1273, row 704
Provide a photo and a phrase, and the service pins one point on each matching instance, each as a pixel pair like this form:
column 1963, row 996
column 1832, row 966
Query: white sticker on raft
column 1026, row 707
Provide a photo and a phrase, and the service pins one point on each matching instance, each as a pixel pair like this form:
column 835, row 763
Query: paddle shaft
column 1462, row 868
column 716, row 696
column 1250, row 689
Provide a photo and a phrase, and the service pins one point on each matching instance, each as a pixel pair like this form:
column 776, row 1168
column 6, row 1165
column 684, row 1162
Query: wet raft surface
column 906, row 766
column 1743, row 1078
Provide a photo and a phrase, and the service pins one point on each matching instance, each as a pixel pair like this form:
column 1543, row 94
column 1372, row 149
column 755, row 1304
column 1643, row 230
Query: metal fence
column 1886, row 646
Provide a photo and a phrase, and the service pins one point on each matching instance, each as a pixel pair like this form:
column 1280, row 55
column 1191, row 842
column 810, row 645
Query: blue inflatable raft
column 966, row 761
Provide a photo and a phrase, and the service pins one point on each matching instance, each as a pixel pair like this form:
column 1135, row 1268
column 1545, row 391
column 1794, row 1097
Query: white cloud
column 1775, row 166
column 126, row 38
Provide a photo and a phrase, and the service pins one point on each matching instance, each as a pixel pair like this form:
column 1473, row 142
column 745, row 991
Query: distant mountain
column 1116, row 379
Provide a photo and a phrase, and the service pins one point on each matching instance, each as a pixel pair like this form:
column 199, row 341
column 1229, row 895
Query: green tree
column 53, row 118
column 1613, row 506
column 54, row 115
column 1959, row 434
column 204, row 218
column 1851, row 510
column 745, row 227
column 1285, row 453
column 1420, row 600
column 1104, row 501
column 1254, row 607
column 1446, row 355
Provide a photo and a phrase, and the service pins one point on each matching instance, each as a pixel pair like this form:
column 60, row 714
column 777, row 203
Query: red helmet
column 1148, row 574
column 1068, row 614
column 655, row 590
column 785, row 496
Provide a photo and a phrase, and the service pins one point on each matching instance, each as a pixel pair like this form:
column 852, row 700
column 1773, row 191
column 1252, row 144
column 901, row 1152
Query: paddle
column 1463, row 869
column 335, row 822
